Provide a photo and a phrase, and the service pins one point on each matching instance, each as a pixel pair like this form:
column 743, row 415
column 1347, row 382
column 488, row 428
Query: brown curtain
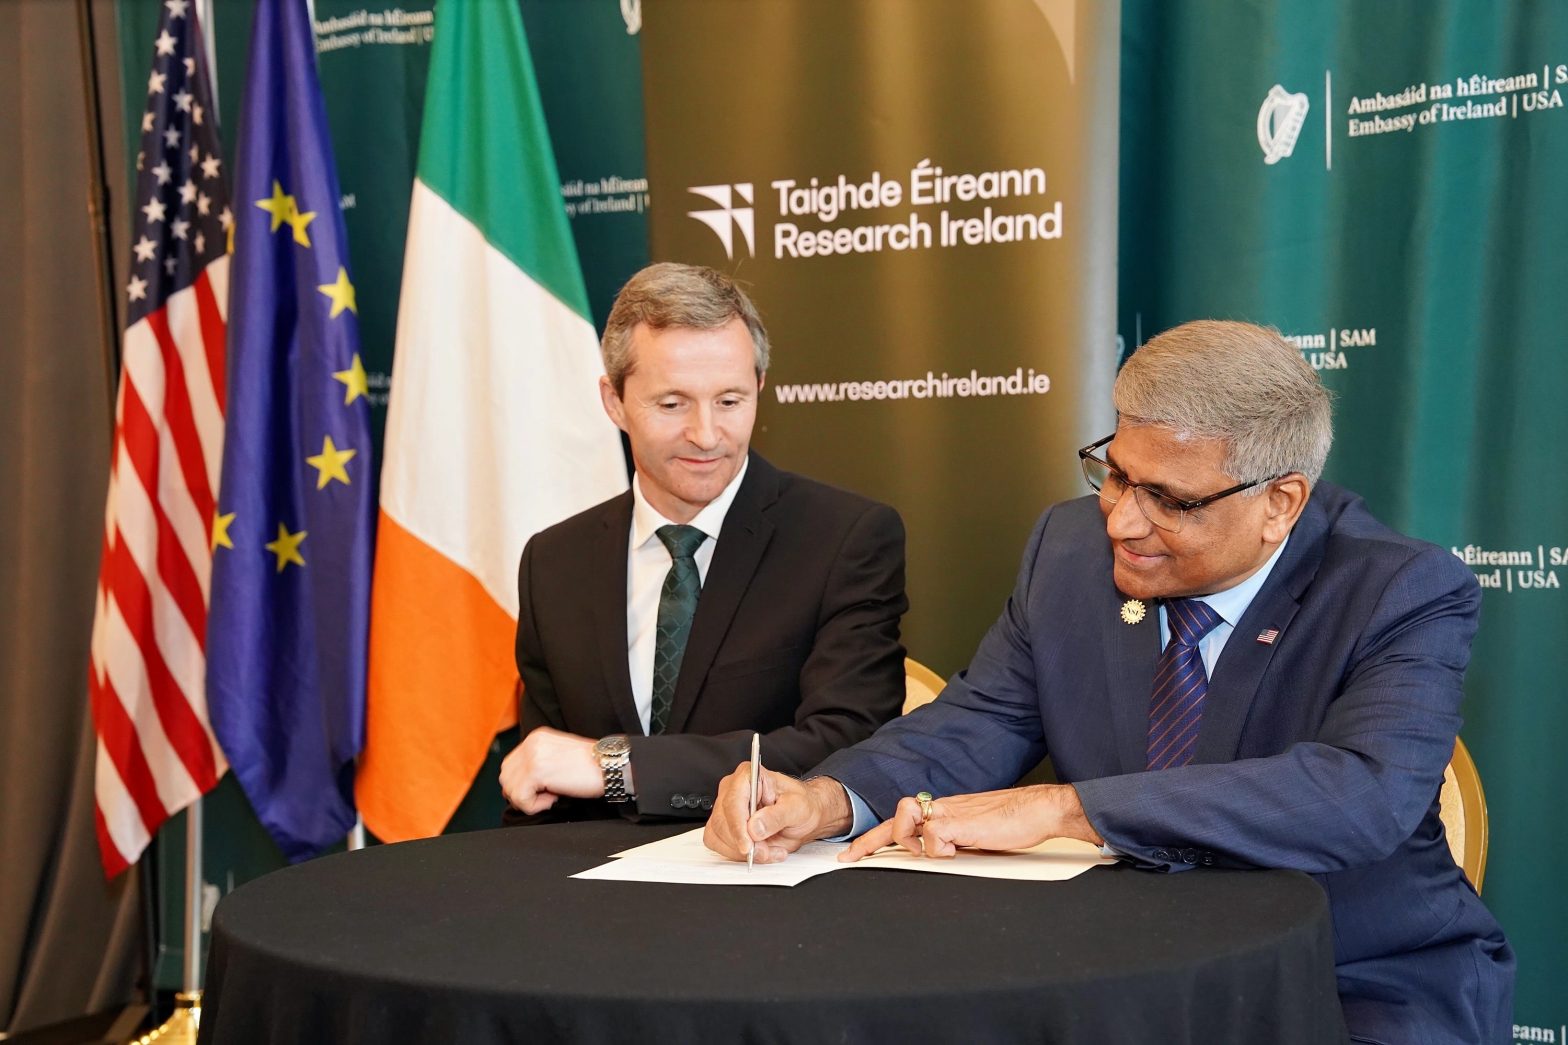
column 70, row 943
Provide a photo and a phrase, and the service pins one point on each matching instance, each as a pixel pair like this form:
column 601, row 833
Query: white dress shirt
column 648, row 561
column 1230, row 604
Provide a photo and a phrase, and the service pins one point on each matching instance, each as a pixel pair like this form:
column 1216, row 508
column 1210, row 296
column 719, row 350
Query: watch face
column 610, row 747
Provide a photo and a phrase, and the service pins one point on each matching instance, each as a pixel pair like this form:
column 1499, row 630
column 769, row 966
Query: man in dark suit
column 718, row 597
column 1230, row 665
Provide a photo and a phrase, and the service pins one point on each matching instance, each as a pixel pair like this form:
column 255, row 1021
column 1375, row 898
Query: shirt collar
column 1231, row 603
column 646, row 519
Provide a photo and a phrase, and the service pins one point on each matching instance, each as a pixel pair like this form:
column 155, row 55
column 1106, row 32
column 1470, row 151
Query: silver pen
column 751, row 804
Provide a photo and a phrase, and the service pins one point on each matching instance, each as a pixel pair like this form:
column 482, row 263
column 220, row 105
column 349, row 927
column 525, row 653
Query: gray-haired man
column 1231, row 665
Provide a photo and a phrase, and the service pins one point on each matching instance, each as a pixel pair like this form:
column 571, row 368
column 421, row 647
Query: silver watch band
column 614, row 768
column 615, row 756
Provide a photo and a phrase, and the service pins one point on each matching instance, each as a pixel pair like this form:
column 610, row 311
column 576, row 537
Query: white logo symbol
column 1279, row 123
column 728, row 217
column 631, row 14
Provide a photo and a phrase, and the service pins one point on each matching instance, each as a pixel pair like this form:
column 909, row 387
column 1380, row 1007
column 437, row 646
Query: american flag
column 156, row 752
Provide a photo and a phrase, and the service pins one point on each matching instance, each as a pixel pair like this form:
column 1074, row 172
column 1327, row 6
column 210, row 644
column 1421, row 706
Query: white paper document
column 683, row 859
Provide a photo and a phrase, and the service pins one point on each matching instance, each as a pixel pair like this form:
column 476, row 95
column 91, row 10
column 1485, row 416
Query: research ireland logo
column 868, row 212
column 728, row 217
column 1280, row 120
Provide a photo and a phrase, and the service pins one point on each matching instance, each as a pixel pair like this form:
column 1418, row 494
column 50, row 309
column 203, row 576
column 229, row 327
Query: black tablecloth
column 484, row 938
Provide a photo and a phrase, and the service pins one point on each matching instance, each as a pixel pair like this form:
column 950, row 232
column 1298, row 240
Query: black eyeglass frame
column 1086, row 455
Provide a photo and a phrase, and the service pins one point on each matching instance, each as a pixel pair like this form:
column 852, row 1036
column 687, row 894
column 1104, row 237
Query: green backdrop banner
column 373, row 60
column 921, row 200
column 587, row 56
column 1383, row 183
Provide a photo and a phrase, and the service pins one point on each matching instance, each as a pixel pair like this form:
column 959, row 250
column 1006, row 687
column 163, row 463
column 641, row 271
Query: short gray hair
column 669, row 294
column 1237, row 382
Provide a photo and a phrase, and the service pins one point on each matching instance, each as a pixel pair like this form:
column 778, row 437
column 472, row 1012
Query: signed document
column 682, row 859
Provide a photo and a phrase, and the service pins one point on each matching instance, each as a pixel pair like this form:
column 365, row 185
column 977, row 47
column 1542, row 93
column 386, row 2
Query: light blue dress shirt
column 1230, row 604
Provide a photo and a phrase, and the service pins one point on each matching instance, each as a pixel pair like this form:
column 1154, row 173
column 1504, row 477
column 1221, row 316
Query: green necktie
column 677, row 606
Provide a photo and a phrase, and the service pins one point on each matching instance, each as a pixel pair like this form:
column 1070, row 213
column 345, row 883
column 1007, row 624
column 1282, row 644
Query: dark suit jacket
column 1322, row 751
column 795, row 636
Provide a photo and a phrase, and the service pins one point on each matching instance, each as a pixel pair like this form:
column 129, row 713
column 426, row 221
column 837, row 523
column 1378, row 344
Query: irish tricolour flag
column 494, row 429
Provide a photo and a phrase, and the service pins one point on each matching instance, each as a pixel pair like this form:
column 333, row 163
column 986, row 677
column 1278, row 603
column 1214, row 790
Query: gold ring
column 925, row 800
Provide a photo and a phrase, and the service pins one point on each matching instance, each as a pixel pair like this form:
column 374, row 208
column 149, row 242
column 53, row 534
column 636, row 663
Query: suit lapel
column 1233, row 691
column 736, row 555
column 1131, row 651
column 606, row 584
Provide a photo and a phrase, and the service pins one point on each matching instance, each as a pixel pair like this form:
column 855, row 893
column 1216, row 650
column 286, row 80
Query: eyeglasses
column 1163, row 510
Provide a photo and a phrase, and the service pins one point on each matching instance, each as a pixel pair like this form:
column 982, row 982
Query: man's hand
column 789, row 814
column 1017, row 818
column 547, row 765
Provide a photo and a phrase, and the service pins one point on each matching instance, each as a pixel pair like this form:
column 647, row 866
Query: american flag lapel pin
column 1268, row 636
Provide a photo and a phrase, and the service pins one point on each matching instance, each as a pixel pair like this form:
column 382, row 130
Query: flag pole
column 181, row 1026
column 209, row 37
column 194, row 821
column 193, row 889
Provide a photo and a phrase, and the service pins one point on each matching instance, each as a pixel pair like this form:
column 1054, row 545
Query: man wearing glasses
column 1230, row 665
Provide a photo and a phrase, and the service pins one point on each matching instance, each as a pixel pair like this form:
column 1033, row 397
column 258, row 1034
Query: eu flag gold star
column 354, row 381
column 280, row 206
column 298, row 221
column 220, row 531
column 329, row 463
column 286, row 547
column 285, row 208
column 341, row 293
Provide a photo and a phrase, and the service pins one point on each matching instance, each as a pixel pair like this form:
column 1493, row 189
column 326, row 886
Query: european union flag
column 292, row 538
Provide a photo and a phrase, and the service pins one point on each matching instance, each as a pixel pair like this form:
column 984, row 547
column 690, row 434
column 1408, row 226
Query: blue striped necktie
column 1180, row 685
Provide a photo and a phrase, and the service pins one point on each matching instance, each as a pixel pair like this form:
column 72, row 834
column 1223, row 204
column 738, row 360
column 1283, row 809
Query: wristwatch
column 614, row 754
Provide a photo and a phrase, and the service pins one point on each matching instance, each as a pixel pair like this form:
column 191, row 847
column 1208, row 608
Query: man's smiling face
column 1219, row 545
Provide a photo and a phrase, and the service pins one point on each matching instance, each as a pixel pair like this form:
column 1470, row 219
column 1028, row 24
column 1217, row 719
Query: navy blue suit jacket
column 1322, row 752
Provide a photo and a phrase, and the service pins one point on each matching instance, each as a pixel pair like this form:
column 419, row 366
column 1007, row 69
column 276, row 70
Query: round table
column 484, row 937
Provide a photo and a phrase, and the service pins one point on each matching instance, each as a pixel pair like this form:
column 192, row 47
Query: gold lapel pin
column 1133, row 611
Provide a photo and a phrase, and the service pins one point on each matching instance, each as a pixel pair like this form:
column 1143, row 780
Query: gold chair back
column 921, row 684
column 1462, row 805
